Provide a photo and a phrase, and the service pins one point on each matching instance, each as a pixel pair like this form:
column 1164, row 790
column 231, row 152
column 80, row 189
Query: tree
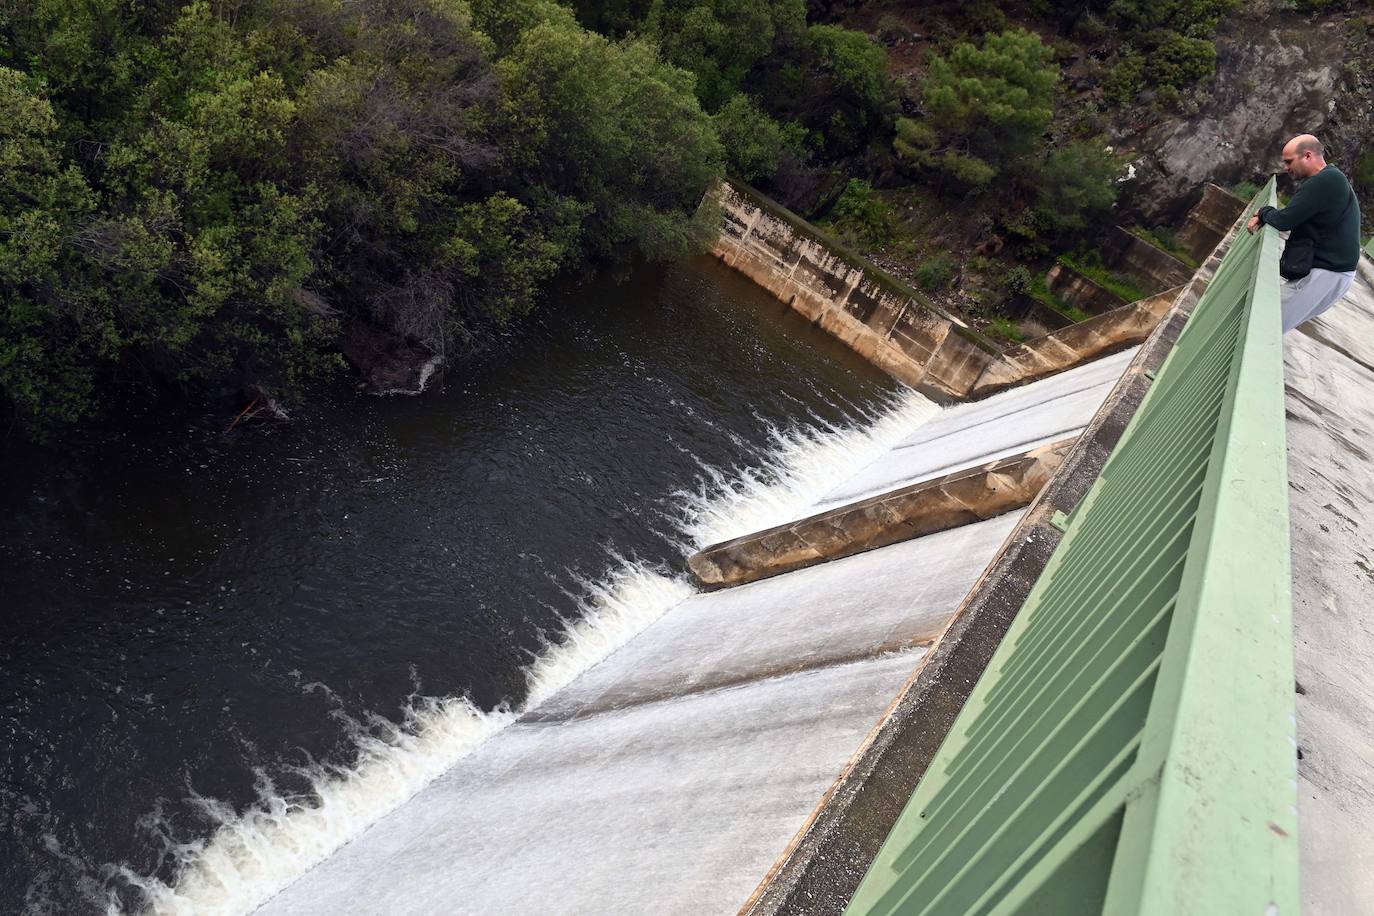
column 1075, row 185
column 50, row 333
column 988, row 107
column 612, row 126
column 720, row 41
column 754, row 143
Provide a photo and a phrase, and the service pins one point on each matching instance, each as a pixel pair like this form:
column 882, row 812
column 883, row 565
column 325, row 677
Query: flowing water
column 222, row 656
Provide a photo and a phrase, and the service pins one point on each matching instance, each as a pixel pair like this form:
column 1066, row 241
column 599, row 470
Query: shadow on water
column 188, row 613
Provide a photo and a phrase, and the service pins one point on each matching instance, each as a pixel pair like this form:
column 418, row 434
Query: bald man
column 1324, row 210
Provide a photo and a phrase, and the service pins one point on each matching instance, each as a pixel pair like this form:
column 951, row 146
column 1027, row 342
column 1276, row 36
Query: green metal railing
column 1130, row 748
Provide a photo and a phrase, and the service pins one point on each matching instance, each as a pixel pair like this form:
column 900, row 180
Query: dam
column 685, row 747
column 749, row 749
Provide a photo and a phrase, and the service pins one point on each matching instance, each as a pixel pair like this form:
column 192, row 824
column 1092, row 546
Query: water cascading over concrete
column 671, row 776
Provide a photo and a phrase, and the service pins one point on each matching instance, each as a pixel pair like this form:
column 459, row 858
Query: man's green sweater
column 1318, row 212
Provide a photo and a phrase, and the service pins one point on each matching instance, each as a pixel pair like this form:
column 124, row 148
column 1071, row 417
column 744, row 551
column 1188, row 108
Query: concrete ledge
column 922, row 508
column 1152, row 267
column 1209, row 219
column 1074, row 345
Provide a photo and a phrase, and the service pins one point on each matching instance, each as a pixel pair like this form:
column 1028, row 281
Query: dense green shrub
column 862, row 215
column 1178, row 61
column 1075, row 185
column 720, row 41
column 935, row 273
column 753, row 142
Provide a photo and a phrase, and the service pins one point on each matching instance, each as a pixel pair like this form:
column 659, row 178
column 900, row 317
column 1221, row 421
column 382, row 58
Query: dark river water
column 193, row 621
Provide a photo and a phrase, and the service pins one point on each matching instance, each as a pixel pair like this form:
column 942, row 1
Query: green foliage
column 842, row 91
column 862, row 215
column 1018, row 280
column 935, row 273
column 1075, row 186
column 753, row 142
column 720, row 41
column 1178, row 61
column 1363, row 173
column 1164, row 238
column 1190, row 18
column 199, row 198
column 614, row 127
column 48, row 332
column 1125, row 81
column 989, row 106
column 1040, row 292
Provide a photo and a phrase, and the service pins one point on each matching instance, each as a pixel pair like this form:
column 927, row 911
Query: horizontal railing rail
column 1130, row 747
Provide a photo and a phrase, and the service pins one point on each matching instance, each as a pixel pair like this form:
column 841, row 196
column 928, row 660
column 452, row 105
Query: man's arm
column 1306, row 203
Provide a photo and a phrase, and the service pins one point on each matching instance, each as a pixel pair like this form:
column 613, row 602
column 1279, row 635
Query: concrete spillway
column 671, row 776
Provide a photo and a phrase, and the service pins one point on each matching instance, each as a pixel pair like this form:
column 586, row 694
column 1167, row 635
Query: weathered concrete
column 1074, row 345
column 1209, row 220
column 887, row 323
column 667, row 778
column 964, row 436
column 825, row 863
column 1151, row 267
column 908, row 512
column 1080, row 291
column 1329, row 365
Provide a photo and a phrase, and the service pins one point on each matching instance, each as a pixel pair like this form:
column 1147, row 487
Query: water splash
column 798, row 467
column 252, row 855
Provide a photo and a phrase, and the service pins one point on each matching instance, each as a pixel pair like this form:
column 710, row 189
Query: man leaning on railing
column 1323, row 246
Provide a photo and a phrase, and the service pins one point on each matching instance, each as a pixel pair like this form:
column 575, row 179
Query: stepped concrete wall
column 887, row 323
column 1152, row 267
column 1081, row 292
column 896, row 329
column 1209, row 220
column 908, row 512
column 1075, row 344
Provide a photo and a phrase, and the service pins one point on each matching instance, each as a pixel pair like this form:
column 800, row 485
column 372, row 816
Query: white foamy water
column 253, row 855
column 799, row 467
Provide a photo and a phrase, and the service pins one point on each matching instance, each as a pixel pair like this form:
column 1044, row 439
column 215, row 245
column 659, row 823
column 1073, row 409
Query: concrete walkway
column 1330, row 401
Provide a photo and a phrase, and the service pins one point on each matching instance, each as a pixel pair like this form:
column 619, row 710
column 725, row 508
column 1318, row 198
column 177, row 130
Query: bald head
column 1303, row 156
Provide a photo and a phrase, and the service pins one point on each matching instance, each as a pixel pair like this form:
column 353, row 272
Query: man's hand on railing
column 1254, row 224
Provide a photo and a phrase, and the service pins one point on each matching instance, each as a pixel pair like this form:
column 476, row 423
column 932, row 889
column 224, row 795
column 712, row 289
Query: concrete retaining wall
column 880, row 319
column 1151, row 267
column 895, row 328
column 1080, row 292
column 1209, row 220
column 1074, row 345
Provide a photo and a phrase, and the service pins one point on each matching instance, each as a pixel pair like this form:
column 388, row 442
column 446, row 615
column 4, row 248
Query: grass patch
column 1006, row 329
column 1166, row 241
column 1113, row 282
column 1041, row 293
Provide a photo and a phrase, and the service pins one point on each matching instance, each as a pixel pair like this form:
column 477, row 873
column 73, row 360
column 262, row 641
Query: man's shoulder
column 1331, row 177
